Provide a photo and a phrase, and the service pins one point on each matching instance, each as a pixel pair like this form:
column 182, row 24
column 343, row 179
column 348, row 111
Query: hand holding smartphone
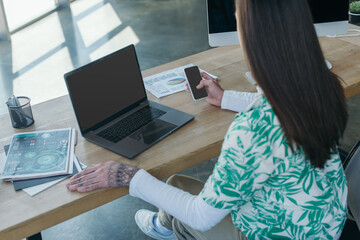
column 193, row 78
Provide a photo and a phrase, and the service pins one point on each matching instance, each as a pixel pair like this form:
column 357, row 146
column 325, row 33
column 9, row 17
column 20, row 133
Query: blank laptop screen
column 105, row 87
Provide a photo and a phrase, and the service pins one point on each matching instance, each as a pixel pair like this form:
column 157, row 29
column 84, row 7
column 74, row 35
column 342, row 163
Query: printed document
column 168, row 82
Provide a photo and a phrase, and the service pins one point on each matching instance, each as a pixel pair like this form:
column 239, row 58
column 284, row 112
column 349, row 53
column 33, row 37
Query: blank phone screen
column 194, row 78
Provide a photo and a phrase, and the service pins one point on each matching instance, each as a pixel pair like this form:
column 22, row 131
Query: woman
column 279, row 174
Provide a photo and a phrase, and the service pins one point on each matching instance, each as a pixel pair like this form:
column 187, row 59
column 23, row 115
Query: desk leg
column 35, row 237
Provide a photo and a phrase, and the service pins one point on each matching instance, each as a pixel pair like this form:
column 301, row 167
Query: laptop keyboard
column 130, row 124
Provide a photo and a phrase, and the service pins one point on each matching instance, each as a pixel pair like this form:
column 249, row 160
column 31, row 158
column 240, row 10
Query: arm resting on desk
column 188, row 208
column 102, row 175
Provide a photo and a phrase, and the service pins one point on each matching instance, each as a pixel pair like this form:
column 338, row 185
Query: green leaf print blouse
column 274, row 193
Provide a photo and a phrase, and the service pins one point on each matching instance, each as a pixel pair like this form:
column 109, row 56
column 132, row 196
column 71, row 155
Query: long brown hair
column 286, row 60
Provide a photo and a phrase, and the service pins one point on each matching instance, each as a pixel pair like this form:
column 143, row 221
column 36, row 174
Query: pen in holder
column 20, row 111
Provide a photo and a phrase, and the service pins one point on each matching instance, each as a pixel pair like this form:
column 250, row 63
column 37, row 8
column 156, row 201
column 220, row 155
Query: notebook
column 112, row 108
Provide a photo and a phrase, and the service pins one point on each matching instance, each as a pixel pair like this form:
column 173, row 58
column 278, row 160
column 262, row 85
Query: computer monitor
column 330, row 17
column 221, row 23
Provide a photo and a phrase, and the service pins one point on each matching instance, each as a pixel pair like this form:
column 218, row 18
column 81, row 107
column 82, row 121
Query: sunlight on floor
column 124, row 38
column 97, row 24
column 21, row 11
column 80, row 6
column 44, row 51
column 45, row 81
column 35, row 42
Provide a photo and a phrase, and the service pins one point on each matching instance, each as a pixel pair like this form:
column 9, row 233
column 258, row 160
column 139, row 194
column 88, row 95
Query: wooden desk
column 198, row 141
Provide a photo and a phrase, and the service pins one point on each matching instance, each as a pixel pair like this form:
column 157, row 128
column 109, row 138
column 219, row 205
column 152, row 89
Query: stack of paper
column 38, row 158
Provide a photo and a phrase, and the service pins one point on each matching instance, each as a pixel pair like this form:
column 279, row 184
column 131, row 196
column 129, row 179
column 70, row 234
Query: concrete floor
column 34, row 62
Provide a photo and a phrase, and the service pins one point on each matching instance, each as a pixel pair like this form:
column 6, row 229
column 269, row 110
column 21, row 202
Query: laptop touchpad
column 153, row 131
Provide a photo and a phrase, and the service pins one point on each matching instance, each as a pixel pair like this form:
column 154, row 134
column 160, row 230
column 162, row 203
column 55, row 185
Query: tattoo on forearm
column 121, row 174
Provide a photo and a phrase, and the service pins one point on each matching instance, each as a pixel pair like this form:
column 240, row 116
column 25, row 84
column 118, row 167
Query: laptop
column 112, row 108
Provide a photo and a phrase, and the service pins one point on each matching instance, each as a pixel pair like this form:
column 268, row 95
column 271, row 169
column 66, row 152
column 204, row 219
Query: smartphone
column 193, row 77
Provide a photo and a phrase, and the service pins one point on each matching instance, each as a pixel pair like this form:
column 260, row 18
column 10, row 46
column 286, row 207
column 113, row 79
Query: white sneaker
column 144, row 220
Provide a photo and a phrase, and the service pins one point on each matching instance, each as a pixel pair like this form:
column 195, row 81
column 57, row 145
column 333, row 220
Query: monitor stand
column 252, row 80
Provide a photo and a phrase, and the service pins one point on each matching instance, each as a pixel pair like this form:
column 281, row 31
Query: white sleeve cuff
column 189, row 209
column 237, row 101
column 134, row 181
